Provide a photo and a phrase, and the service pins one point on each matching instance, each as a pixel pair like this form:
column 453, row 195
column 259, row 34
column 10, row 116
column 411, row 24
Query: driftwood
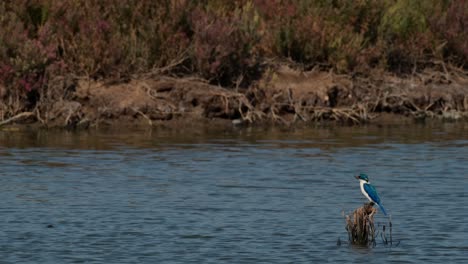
column 362, row 229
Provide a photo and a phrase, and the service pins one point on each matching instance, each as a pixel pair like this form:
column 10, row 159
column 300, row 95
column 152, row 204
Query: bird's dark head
column 363, row 177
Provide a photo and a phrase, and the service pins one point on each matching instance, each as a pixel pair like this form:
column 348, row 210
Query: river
column 241, row 195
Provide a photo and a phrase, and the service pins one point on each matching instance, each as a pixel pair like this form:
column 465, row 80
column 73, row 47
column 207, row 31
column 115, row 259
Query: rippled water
column 232, row 196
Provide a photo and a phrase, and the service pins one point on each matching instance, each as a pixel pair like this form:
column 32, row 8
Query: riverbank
column 283, row 96
column 82, row 64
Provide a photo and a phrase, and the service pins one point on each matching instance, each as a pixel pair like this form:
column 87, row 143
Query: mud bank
column 282, row 96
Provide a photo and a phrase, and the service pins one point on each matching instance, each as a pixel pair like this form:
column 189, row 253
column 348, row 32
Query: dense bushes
column 223, row 41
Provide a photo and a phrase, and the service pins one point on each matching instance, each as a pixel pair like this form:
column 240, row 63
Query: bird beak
column 357, row 177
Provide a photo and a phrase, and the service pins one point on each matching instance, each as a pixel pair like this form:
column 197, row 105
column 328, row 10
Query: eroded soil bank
column 281, row 96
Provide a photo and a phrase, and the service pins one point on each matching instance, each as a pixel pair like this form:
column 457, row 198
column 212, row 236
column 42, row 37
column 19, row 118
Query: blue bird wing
column 372, row 192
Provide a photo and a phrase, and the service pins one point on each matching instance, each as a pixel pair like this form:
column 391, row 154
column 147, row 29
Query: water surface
column 230, row 196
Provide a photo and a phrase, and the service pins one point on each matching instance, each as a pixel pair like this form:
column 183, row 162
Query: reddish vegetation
column 47, row 47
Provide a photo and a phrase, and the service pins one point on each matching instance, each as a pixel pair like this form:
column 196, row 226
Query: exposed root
column 146, row 117
column 17, row 117
column 250, row 114
column 282, row 96
column 38, row 116
column 276, row 117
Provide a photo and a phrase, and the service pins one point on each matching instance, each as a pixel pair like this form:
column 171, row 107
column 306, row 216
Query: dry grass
column 360, row 225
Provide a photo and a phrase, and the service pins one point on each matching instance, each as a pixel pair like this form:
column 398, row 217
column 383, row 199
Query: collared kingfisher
column 369, row 191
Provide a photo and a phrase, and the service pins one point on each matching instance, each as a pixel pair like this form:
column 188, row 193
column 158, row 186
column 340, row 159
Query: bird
column 369, row 191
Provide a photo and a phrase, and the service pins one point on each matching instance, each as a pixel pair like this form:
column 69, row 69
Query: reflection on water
column 322, row 137
column 234, row 196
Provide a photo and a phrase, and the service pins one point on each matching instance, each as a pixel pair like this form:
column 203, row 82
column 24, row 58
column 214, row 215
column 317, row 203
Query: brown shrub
column 451, row 25
column 224, row 44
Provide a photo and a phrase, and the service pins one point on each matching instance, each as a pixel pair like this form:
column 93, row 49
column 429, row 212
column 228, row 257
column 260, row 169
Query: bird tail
column 383, row 209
